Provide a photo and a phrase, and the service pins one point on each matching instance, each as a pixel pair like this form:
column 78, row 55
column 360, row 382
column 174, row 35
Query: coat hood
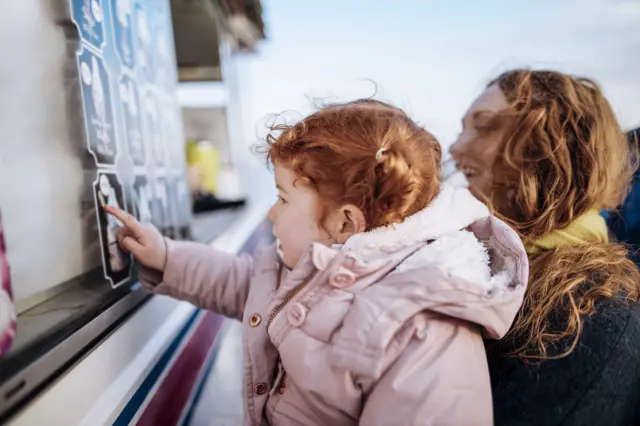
column 459, row 261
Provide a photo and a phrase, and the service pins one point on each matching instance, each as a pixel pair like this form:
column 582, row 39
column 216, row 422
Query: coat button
column 342, row 279
column 282, row 388
column 296, row 313
column 254, row 320
column 260, row 388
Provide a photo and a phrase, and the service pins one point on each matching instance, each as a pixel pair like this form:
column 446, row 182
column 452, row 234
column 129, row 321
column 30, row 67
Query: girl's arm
column 208, row 278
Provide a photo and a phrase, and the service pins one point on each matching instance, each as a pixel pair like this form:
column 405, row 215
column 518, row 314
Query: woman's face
column 475, row 150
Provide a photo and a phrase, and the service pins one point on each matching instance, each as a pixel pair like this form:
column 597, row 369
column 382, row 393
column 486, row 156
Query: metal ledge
column 100, row 379
column 48, row 366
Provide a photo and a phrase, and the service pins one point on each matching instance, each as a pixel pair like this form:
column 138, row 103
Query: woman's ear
column 348, row 220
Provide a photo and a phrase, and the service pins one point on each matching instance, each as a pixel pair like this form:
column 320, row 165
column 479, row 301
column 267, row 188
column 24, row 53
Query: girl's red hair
column 366, row 153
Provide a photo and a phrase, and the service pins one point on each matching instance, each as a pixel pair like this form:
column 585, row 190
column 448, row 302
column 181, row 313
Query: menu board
column 127, row 76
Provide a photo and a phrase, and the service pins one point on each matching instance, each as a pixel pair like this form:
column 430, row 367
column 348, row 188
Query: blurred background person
column 624, row 222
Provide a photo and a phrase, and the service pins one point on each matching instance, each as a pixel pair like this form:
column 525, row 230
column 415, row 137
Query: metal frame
column 44, row 369
column 52, row 358
column 103, row 363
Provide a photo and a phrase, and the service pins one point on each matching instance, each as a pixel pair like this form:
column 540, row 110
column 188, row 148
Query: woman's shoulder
column 613, row 321
column 610, row 339
column 596, row 384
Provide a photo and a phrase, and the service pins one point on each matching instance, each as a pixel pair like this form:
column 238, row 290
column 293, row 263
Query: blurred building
column 203, row 29
column 209, row 36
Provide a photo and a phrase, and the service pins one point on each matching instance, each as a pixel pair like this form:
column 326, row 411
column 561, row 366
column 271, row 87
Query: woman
column 545, row 151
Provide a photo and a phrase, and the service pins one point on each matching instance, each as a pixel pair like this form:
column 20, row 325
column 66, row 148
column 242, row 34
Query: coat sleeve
column 440, row 378
column 208, row 278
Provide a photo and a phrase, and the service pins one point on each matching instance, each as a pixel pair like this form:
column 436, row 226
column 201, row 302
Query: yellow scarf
column 590, row 227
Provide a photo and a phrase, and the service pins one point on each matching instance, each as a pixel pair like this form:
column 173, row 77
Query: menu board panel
column 89, row 18
column 97, row 108
column 127, row 75
column 122, row 15
column 130, row 111
column 109, row 191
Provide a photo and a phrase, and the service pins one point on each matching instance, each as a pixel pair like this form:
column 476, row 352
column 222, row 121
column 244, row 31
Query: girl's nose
column 271, row 215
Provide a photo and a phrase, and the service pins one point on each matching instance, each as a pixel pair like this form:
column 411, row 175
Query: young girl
column 371, row 307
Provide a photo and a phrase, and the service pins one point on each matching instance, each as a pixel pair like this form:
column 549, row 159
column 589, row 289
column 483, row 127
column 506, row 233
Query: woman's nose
column 456, row 149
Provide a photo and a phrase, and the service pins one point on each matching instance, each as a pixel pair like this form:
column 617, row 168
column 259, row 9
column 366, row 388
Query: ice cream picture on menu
column 143, row 198
column 88, row 16
column 154, row 130
column 143, row 40
column 97, row 109
column 108, row 191
column 130, row 111
column 123, row 30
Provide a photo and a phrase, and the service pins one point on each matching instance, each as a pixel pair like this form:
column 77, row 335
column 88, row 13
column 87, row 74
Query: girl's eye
column 281, row 200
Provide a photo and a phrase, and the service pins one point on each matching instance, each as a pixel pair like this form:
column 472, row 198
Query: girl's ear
column 345, row 222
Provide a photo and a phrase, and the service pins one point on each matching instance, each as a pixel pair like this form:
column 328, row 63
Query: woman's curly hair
column 563, row 155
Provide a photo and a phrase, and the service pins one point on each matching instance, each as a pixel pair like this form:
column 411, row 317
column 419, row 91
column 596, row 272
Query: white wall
column 42, row 182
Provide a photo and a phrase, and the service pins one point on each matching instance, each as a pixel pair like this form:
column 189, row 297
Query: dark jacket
column 598, row 384
column 624, row 223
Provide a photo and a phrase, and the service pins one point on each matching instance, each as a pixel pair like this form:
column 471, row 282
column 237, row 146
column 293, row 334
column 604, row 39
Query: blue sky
column 433, row 57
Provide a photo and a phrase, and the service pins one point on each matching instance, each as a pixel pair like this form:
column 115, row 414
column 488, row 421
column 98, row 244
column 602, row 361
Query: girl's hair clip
column 379, row 154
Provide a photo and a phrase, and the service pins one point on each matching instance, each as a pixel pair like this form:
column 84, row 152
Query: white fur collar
column 452, row 210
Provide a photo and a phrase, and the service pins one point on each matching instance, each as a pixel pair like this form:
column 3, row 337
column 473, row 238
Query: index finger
column 127, row 219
